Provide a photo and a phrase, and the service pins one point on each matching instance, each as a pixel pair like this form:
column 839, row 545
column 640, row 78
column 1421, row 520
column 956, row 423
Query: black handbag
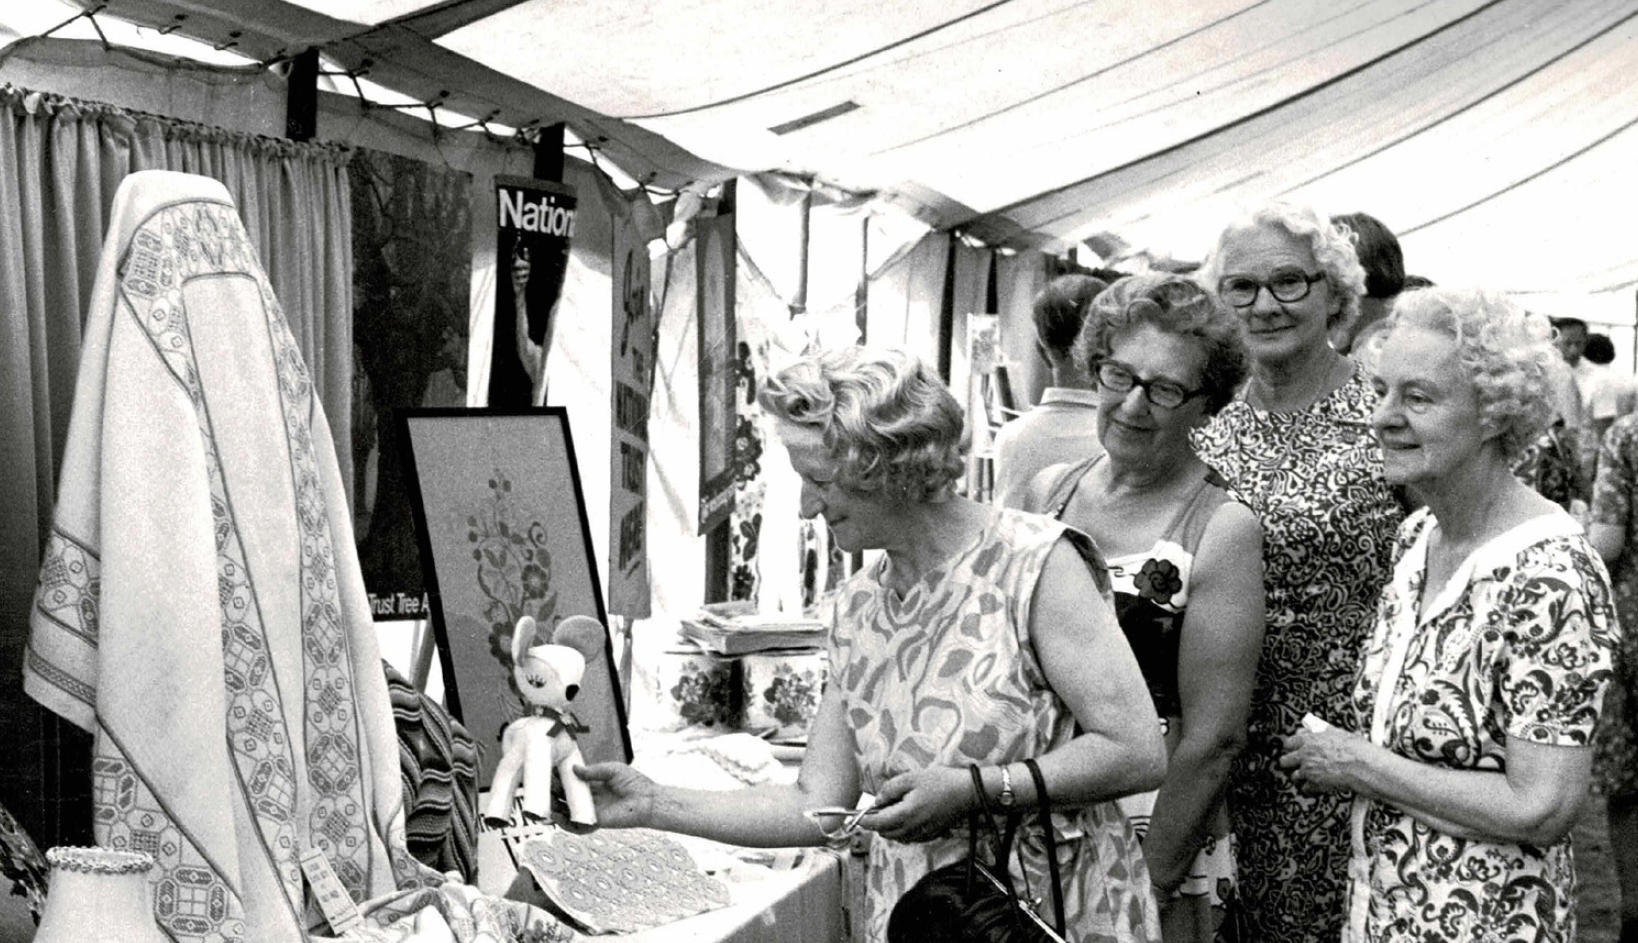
column 971, row 900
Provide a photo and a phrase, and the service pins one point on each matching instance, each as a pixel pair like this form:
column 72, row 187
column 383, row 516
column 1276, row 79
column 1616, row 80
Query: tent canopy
column 1496, row 136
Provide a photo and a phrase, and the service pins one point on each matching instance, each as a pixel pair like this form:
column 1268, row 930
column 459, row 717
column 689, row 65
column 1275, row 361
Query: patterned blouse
column 1518, row 645
column 1314, row 479
column 1616, row 761
column 946, row 675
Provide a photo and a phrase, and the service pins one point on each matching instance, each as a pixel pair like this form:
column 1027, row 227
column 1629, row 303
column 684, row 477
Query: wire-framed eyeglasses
column 1116, row 377
column 1286, row 285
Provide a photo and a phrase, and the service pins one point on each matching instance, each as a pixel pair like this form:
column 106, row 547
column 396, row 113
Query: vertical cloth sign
column 719, row 380
column 535, row 224
column 631, row 372
column 412, row 275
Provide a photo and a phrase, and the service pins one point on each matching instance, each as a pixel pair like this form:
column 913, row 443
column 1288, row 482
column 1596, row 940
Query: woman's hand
column 921, row 806
column 1323, row 760
column 624, row 797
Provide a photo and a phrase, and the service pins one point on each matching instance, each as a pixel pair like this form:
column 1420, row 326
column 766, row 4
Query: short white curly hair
column 1332, row 245
column 1508, row 353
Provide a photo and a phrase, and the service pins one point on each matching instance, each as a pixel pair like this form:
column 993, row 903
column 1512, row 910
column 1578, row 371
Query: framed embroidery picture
column 504, row 534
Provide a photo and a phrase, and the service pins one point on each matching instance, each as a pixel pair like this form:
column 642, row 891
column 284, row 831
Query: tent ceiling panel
column 1037, row 122
column 1438, row 94
column 398, row 57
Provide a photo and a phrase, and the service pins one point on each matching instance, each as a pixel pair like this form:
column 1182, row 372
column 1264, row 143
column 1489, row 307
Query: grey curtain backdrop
column 60, row 163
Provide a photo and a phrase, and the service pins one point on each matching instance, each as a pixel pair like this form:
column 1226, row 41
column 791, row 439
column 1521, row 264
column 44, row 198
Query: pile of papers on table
column 735, row 628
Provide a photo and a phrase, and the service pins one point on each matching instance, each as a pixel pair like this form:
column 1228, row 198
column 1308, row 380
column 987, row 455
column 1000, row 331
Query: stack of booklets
column 735, row 628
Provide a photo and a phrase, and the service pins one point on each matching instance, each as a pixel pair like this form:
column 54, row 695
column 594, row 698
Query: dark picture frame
column 501, row 521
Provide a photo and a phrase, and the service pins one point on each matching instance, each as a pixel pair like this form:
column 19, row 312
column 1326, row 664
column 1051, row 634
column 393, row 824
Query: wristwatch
column 1006, row 798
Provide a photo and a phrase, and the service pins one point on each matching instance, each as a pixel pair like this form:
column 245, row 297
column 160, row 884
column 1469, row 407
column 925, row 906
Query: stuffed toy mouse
column 548, row 676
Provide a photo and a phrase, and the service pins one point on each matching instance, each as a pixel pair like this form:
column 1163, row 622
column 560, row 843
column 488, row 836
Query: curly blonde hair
column 890, row 423
column 1331, row 244
column 1177, row 305
column 1508, row 353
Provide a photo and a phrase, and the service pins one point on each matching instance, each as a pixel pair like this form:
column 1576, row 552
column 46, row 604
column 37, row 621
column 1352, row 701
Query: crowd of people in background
column 1297, row 582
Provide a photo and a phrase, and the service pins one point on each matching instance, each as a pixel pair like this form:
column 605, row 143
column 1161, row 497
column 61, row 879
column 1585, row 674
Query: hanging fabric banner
column 632, row 355
column 412, row 274
column 719, row 376
column 535, row 224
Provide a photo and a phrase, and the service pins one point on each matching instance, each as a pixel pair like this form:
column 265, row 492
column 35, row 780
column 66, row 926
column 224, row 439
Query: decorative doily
column 620, row 880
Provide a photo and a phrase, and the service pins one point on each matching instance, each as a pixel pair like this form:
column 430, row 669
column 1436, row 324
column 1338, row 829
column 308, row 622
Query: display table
column 801, row 905
column 801, row 897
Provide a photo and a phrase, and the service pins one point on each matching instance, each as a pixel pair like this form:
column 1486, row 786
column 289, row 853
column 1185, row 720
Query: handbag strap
column 983, row 818
column 1043, row 813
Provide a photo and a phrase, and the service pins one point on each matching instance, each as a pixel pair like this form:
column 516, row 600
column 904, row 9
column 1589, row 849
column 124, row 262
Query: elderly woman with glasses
column 981, row 636
column 1482, row 682
column 1185, row 558
column 1296, row 445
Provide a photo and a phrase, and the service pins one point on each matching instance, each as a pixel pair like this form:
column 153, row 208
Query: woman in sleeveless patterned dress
column 980, row 636
column 1297, row 447
column 1186, row 560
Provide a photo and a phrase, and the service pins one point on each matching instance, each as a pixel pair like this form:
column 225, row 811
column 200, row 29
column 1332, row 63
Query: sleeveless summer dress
column 946, row 675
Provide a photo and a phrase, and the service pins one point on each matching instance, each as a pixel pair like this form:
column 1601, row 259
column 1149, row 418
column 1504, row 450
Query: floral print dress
column 1616, row 758
column 1314, row 479
column 946, row 675
column 1517, row 646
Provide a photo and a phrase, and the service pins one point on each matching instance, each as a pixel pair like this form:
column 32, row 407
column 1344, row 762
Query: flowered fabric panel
column 1524, row 653
column 1314, row 479
column 945, row 675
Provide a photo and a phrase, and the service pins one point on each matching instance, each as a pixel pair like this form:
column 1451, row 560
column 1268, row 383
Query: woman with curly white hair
column 981, row 637
column 1296, row 446
column 1483, row 681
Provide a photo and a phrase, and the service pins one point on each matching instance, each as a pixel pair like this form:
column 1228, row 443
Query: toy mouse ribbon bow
column 564, row 722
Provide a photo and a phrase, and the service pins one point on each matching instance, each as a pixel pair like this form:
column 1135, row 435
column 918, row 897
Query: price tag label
column 338, row 905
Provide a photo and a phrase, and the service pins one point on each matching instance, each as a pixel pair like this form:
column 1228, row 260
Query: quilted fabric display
column 620, row 880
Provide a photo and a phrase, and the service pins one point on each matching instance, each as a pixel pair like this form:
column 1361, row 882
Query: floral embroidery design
column 514, row 570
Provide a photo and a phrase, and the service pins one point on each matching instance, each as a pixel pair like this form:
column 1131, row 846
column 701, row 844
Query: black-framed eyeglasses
column 1116, row 377
column 1287, row 285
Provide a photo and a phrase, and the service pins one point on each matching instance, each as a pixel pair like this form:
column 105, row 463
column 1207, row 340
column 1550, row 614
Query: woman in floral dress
column 1297, row 447
column 980, row 637
column 1186, row 561
column 1614, row 532
column 1482, row 684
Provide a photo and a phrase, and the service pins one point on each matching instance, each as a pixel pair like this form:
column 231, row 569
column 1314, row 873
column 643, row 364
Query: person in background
column 1384, row 263
column 1296, row 446
column 1063, row 427
column 1368, row 340
column 1559, row 464
column 1186, row 560
column 1609, row 394
column 1480, row 689
column 980, row 636
column 1613, row 530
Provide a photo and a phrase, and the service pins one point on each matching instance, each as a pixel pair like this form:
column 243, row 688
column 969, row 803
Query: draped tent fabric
column 1042, row 122
column 61, row 160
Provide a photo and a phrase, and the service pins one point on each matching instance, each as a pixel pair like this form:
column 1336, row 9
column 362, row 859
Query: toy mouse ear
column 522, row 637
column 584, row 634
